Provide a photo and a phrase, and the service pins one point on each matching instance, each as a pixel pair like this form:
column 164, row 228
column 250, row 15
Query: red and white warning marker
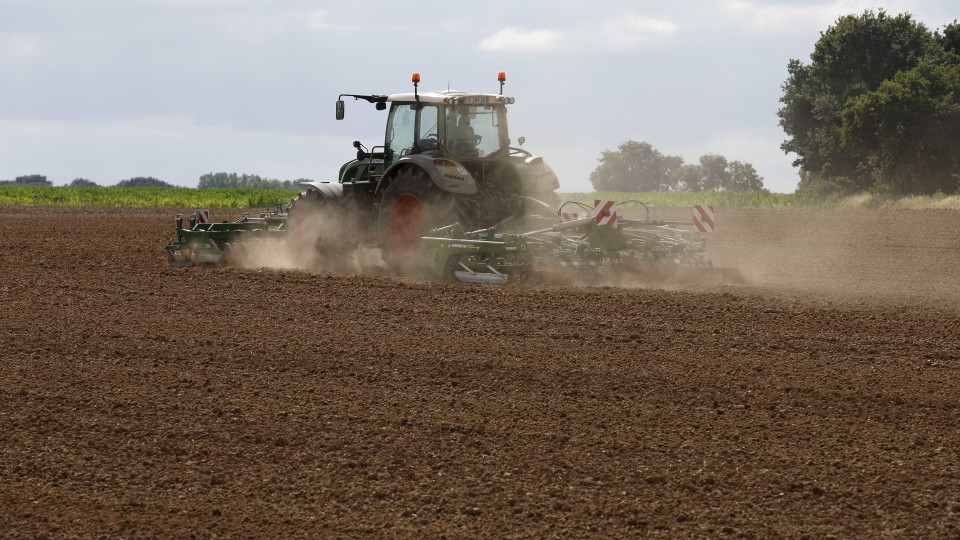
column 203, row 215
column 569, row 216
column 605, row 212
column 703, row 218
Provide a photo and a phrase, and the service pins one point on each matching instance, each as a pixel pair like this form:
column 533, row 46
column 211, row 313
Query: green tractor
column 446, row 158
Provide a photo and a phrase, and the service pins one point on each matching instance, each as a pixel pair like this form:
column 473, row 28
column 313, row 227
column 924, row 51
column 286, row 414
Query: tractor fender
column 446, row 174
column 352, row 164
column 536, row 175
column 331, row 193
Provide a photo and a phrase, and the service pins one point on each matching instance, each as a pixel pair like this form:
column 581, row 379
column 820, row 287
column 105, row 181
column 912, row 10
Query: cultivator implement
column 204, row 243
column 526, row 247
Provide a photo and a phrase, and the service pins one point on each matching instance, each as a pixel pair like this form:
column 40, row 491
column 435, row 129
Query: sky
column 112, row 89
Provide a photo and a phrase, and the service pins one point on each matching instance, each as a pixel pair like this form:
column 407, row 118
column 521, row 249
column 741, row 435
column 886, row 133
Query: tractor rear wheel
column 410, row 207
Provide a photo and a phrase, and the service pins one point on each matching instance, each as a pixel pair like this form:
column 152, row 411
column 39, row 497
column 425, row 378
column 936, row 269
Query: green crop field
column 177, row 197
column 262, row 198
column 143, row 196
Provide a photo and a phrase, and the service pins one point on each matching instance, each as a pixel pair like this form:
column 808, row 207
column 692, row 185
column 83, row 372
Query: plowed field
column 818, row 397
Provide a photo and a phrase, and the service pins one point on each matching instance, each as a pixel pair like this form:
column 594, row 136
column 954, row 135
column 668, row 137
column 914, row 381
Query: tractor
column 448, row 195
column 446, row 158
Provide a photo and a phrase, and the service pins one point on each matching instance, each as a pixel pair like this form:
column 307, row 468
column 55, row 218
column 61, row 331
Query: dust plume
column 317, row 242
column 858, row 254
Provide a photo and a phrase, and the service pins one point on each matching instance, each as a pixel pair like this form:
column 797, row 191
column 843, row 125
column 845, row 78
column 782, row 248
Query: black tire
column 409, row 208
column 316, row 229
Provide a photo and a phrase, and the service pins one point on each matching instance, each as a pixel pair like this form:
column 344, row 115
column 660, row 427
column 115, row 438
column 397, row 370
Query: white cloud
column 632, row 30
column 625, row 32
column 521, row 39
column 764, row 17
column 17, row 45
column 267, row 24
column 318, row 20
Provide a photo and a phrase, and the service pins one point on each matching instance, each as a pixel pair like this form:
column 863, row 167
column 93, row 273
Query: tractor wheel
column 411, row 206
column 315, row 227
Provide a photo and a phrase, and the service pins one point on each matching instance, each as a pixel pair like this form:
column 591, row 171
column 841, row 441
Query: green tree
column 690, row 178
column 33, row 180
column 906, row 134
column 143, row 181
column 635, row 166
column 743, row 177
column 82, row 182
column 949, row 38
column 715, row 172
column 673, row 165
column 851, row 58
column 234, row 180
column 638, row 166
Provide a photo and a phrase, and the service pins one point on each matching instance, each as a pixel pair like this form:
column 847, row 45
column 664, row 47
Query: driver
column 462, row 139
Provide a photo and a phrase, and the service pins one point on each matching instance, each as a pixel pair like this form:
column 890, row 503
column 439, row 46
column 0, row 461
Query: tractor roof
column 452, row 96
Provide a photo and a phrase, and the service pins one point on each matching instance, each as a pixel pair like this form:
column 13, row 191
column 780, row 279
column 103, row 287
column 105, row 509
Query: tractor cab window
column 475, row 130
column 402, row 126
column 429, row 138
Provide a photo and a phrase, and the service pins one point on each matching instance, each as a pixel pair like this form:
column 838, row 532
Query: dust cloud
column 858, row 254
column 316, row 243
column 854, row 255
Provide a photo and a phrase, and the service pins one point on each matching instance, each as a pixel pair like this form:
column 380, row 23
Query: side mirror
column 428, row 145
column 522, row 140
column 361, row 154
column 339, row 109
column 381, row 106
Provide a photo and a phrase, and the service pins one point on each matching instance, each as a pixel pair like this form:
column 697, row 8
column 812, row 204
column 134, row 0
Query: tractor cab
column 449, row 124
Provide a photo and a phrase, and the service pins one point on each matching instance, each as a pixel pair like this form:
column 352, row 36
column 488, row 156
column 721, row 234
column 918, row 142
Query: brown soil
column 819, row 398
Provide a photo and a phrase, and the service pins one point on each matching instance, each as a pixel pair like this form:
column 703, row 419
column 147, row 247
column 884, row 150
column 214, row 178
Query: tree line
column 210, row 180
column 876, row 109
column 234, row 180
column 41, row 180
column 28, row 180
column 638, row 166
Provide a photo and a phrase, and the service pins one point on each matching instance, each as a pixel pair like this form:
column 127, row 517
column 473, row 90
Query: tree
column 82, row 182
column 691, row 178
column 143, row 181
column 715, row 173
column 673, row 165
column 851, row 58
column 233, row 180
column 743, row 177
column 906, row 134
column 33, row 180
column 638, row 166
column 949, row 38
column 635, row 166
